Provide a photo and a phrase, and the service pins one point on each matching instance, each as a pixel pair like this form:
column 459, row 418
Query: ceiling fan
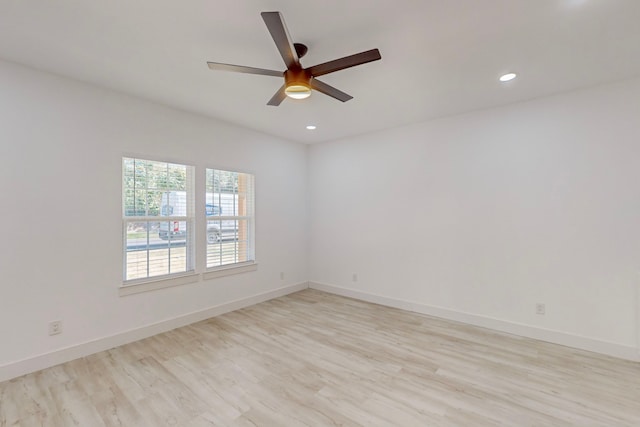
column 298, row 81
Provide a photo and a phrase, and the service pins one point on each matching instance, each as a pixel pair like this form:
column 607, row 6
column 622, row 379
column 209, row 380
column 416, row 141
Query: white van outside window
column 174, row 204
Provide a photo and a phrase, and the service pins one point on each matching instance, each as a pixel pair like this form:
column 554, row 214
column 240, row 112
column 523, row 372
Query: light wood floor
column 317, row 359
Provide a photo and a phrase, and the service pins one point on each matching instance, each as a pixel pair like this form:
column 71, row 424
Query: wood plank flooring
column 316, row 359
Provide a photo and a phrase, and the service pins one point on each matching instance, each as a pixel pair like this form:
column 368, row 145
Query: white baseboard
column 555, row 337
column 638, row 315
column 36, row 363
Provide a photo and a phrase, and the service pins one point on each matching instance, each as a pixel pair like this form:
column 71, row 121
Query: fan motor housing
column 297, row 77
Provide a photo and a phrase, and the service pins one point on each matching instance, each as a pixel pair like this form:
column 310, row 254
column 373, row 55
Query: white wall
column 478, row 217
column 60, row 210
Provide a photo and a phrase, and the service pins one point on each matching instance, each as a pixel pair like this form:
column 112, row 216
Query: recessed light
column 311, row 127
column 507, row 77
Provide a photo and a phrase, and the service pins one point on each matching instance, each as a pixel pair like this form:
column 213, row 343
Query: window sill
column 137, row 287
column 229, row 270
column 160, row 283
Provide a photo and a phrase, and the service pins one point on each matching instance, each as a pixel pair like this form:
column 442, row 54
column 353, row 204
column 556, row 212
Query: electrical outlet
column 354, row 277
column 540, row 308
column 55, row 327
column 282, row 275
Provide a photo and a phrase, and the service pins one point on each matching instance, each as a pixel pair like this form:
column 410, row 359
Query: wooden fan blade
column 329, row 90
column 243, row 69
column 280, row 35
column 278, row 97
column 346, row 62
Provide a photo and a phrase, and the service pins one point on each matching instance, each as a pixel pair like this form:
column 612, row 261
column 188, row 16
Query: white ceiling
column 439, row 57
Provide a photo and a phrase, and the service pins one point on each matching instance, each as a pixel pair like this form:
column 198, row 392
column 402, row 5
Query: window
column 230, row 218
column 158, row 218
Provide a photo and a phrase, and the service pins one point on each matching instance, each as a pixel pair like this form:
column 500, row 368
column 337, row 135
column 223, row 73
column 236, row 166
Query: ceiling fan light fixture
column 299, row 81
column 297, row 91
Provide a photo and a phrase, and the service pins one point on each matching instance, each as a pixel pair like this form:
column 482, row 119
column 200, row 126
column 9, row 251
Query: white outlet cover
column 55, row 327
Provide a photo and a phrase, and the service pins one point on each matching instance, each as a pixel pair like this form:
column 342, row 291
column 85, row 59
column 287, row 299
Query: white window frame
column 249, row 264
column 130, row 286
